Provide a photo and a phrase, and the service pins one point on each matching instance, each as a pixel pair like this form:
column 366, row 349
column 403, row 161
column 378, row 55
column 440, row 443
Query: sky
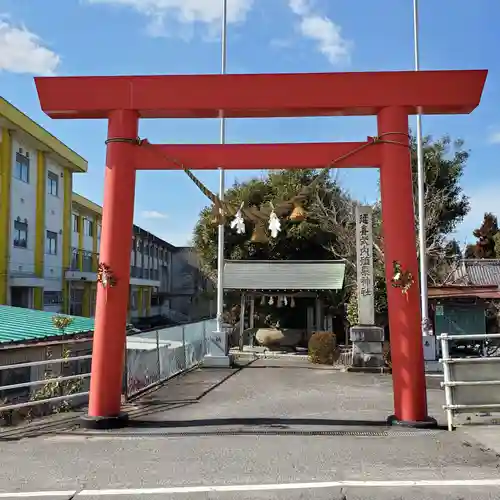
column 107, row 37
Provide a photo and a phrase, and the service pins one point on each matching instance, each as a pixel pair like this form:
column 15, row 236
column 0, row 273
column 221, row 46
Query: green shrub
column 322, row 347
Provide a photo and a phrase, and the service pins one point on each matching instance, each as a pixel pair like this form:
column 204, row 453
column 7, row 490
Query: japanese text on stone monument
column 364, row 251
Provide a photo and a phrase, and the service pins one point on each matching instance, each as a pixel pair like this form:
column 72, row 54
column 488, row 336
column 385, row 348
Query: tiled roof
column 28, row 325
column 454, row 291
column 480, row 271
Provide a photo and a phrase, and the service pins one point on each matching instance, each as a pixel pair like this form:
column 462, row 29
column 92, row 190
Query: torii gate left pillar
column 391, row 96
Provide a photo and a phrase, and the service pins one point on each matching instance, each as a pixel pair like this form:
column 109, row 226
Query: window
column 52, row 184
column 87, row 227
column 22, row 169
column 87, row 262
column 51, row 243
column 75, row 223
column 20, row 234
column 52, row 298
column 76, row 302
column 98, row 231
column 74, row 259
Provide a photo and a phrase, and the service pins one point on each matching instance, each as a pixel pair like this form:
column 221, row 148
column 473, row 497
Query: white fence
column 471, row 384
column 151, row 357
column 157, row 355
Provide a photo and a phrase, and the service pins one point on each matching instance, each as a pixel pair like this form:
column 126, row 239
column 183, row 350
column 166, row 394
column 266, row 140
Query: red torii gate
column 391, row 96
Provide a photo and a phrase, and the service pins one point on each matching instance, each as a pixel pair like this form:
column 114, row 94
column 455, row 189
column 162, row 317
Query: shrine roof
column 262, row 95
column 283, row 275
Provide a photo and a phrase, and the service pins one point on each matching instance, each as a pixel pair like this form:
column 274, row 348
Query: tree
column 445, row 205
column 487, row 236
column 305, row 240
column 329, row 230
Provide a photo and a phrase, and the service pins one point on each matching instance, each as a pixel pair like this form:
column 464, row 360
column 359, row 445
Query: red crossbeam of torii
column 257, row 156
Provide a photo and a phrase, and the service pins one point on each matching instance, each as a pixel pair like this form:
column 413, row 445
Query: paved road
column 265, row 433
column 442, row 492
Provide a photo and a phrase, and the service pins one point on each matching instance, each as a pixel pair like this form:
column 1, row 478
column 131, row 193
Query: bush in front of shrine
column 322, row 348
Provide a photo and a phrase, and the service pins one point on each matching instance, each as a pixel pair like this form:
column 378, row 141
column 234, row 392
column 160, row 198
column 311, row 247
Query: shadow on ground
column 155, row 409
column 254, row 422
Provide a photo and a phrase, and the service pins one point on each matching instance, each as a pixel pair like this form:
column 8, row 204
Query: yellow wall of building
column 18, row 122
column 148, row 300
column 66, row 256
column 95, row 247
column 80, row 242
column 40, row 226
column 6, row 173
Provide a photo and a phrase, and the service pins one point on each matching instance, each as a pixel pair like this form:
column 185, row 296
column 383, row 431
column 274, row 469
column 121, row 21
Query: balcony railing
column 145, row 274
column 83, row 260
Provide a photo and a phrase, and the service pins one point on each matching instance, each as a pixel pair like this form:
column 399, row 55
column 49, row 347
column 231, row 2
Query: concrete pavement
column 272, row 424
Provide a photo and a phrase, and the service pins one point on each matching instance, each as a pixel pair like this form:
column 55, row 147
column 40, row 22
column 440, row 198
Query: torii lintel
column 258, row 156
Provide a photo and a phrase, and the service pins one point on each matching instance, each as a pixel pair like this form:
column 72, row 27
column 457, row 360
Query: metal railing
column 152, row 357
column 471, row 384
column 36, row 402
column 144, row 273
column 84, row 258
column 157, row 355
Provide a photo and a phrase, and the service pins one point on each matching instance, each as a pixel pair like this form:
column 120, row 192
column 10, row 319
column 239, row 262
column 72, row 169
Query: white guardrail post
column 184, row 350
column 204, row 338
column 43, row 382
column 446, row 375
column 471, row 384
column 158, row 355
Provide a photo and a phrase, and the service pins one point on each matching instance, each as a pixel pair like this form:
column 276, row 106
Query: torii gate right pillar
column 398, row 229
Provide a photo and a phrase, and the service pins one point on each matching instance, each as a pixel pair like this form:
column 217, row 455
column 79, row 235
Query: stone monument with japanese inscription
column 366, row 337
column 364, row 265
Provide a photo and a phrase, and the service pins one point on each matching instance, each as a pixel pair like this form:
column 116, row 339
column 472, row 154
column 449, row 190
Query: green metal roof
column 284, row 274
column 19, row 325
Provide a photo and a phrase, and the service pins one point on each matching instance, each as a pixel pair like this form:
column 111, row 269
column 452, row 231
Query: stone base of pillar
column 217, row 361
column 367, row 347
column 217, row 356
column 104, row 423
column 428, row 423
column 370, row 369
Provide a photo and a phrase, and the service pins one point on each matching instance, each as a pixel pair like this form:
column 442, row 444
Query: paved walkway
column 276, row 429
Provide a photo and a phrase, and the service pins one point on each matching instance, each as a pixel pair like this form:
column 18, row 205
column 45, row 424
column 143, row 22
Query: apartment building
column 50, row 236
column 150, row 264
column 164, row 279
column 35, row 209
